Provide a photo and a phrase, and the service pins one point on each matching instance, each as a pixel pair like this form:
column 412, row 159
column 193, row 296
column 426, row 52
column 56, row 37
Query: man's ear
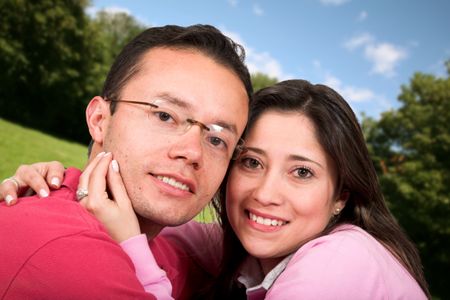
column 97, row 118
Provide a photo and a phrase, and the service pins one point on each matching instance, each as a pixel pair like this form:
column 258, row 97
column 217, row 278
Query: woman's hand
column 116, row 215
column 38, row 177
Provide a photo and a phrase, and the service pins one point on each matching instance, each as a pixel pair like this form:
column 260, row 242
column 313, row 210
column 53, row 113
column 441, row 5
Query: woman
column 302, row 214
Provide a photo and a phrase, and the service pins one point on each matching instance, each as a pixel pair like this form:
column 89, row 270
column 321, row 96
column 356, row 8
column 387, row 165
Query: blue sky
column 364, row 49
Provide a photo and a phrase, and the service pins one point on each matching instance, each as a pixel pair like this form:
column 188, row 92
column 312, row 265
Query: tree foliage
column 411, row 149
column 54, row 58
column 260, row 80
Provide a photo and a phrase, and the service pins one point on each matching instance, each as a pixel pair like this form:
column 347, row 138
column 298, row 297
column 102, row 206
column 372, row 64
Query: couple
column 301, row 211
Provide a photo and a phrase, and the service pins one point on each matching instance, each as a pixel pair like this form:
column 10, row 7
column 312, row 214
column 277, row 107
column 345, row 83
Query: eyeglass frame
column 240, row 145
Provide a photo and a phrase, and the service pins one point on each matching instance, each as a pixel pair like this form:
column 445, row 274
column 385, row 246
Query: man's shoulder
column 35, row 223
column 49, row 217
column 56, row 244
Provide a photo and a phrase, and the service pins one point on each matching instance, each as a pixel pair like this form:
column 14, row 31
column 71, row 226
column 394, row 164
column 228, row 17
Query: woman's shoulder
column 348, row 245
column 347, row 263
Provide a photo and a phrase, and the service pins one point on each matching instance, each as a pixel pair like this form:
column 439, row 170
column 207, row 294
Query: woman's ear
column 340, row 202
column 97, row 118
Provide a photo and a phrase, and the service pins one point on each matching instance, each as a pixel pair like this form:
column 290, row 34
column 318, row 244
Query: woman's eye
column 303, row 172
column 250, row 163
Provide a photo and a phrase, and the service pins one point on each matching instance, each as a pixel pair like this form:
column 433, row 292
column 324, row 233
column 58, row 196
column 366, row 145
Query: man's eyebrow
column 185, row 105
column 174, row 100
column 230, row 127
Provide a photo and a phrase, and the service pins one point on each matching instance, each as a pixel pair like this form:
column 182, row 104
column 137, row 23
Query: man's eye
column 164, row 116
column 216, row 141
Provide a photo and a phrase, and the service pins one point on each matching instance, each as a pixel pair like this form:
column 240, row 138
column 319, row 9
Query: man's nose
column 189, row 146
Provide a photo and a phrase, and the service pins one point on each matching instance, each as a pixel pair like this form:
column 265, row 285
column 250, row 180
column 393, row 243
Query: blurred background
column 389, row 59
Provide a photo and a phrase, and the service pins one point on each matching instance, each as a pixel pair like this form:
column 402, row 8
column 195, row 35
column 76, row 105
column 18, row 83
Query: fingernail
column 43, row 193
column 55, row 181
column 115, row 165
column 101, row 154
column 8, row 199
column 108, row 153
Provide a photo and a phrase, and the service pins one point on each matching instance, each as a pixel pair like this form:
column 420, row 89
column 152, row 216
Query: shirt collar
column 252, row 276
column 71, row 178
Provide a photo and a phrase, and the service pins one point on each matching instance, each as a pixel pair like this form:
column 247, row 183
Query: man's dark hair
column 204, row 38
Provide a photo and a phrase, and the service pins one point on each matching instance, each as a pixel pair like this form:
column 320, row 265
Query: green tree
column 54, row 58
column 260, row 80
column 43, row 58
column 411, row 150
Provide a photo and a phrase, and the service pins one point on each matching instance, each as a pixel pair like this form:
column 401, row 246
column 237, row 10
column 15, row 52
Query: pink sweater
column 346, row 264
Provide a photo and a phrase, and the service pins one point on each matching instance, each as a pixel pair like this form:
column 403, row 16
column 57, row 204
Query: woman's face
column 281, row 192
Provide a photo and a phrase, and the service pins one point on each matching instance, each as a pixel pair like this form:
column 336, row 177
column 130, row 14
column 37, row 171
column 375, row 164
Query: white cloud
column 233, row 3
column 362, row 16
column 333, row 2
column 360, row 98
column 383, row 56
column 359, row 40
column 257, row 10
column 350, row 93
column 261, row 62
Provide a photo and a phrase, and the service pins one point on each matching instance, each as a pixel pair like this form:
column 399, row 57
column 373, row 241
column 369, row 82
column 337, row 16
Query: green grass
column 20, row 145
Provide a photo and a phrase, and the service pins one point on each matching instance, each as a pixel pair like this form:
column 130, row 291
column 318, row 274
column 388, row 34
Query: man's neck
column 149, row 228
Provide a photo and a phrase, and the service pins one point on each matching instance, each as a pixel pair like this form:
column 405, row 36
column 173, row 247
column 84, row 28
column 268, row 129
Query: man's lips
column 176, row 181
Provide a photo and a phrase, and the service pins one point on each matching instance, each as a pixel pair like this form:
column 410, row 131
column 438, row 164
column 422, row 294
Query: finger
column 32, row 176
column 97, row 185
column 55, row 174
column 116, row 185
column 84, row 178
column 8, row 192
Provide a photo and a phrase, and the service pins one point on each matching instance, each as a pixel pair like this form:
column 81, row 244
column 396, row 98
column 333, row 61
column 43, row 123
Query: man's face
column 170, row 178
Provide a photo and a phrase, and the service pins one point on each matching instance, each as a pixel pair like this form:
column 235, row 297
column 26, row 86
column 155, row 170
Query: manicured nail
column 101, row 154
column 55, row 181
column 8, row 199
column 43, row 193
column 115, row 165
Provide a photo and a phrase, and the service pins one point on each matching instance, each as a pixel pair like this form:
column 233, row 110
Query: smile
column 265, row 221
column 173, row 182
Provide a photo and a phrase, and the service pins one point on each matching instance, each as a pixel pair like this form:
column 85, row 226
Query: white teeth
column 265, row 221
column 173, row 182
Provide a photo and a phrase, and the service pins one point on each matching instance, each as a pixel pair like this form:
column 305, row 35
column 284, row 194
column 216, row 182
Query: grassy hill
column 20, row 145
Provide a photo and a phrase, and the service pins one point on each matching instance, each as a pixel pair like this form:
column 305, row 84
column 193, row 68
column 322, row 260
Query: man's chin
column 164, row 219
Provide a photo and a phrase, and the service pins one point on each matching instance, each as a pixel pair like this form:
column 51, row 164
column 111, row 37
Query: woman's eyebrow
column 304, row 158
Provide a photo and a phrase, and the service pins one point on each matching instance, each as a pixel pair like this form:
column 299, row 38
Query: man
column 172, row 110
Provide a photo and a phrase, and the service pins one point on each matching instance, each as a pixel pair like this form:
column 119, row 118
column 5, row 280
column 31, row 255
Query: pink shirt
column 52, row 248
column 346, row 264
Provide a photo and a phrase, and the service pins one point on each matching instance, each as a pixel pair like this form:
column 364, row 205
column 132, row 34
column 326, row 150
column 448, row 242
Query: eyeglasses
column 170, row 119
